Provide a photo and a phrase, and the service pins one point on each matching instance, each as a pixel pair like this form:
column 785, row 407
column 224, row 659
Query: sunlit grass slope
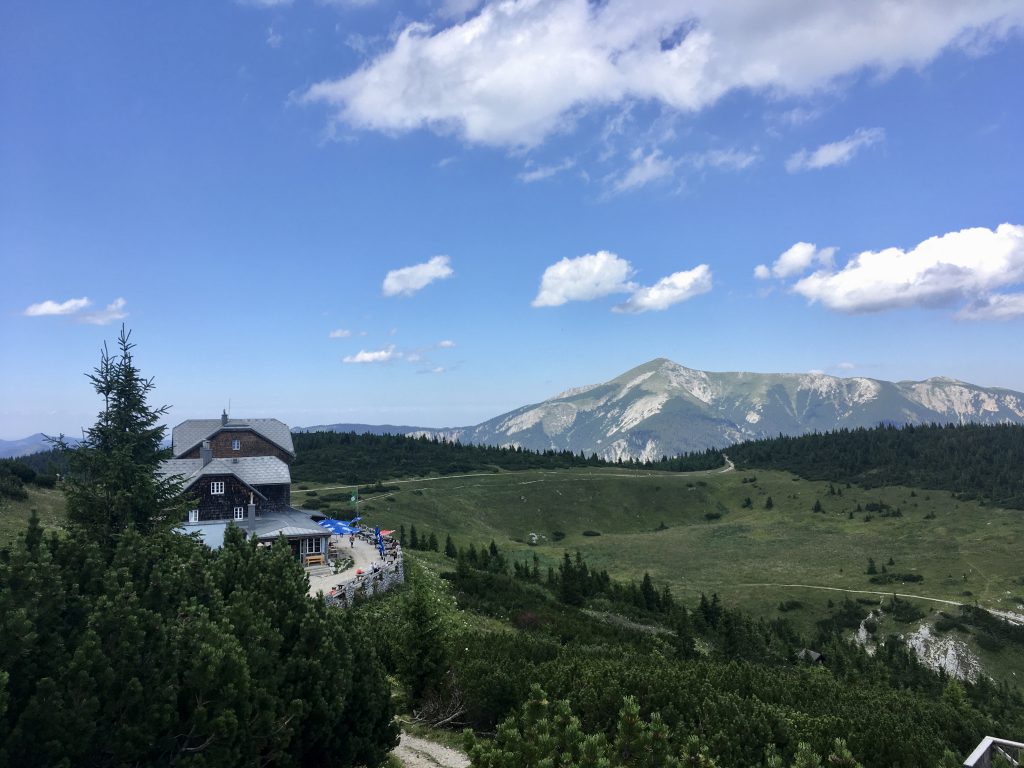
column 713, row 543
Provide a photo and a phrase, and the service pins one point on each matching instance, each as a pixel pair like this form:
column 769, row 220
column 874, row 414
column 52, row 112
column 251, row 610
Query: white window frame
column 217, row 488
column 239, row 513
column 314, row 546
column 193, row 515
column 236, row 444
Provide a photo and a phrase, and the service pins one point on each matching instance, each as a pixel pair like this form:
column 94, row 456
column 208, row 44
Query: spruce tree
column 112, row 484
column 570, row 588
column 126, row 644
column 648, row 594
column 424, row 657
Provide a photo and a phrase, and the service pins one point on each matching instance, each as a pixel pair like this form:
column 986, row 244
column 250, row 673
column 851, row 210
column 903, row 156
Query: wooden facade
column 211, row 506
column 250, row 443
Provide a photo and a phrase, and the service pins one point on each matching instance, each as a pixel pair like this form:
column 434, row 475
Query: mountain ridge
column 663, row 408
column 26, row 446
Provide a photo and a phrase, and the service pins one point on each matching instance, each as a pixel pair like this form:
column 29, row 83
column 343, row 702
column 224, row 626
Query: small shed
column 811, row 657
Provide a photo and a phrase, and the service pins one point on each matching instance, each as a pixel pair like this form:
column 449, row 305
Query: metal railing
column 1011, row 751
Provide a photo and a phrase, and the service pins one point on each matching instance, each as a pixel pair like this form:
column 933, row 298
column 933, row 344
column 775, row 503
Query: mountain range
column 663, row 408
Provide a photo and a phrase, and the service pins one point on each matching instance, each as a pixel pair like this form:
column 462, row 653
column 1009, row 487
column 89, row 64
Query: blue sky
column 430, row 213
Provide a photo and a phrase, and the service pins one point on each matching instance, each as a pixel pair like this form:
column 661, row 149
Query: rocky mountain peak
column 664, row 408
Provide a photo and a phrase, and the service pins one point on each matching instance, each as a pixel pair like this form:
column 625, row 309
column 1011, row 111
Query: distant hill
column 358, row 457
column 383, row 429
column 663, row 408
column 971, row 460
column 10, row 449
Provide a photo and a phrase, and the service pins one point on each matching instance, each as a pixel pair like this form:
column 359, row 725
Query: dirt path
column 856, row 592
column 1010, row 616
column 415, row 752
column 612, row 472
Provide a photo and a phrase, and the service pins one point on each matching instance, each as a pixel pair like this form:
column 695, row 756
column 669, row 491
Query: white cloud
column 408, row 280
column 113, row 311
column 603, row 273
column 264, row 3
column 340, row 333
column 653, row 166
column 846, row 366
column 646, row 168
column 50, row 307
column 998, row 306
column 796, row 259
column 836, row 153
column 519, row 70
column 379, row 356
column 446, row 344
column 544, row 171
column 723, row 159
column 273, row 38
column 436, row 369
column 583, row 278
column 970, row 266
column 670, row 290
column 799, row 115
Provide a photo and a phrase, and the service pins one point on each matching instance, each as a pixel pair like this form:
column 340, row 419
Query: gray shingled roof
column 212, row 534
column 290, row 524
column 191, row 433
column 251, row 470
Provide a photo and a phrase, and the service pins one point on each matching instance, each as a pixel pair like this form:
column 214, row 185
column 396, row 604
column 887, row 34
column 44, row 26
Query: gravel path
column 363, row 554
column 415, row 752
column 857, row 592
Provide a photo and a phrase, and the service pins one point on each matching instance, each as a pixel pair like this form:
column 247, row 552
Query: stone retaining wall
column 369, row 584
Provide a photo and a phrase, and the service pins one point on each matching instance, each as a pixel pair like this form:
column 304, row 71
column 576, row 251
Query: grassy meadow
column 965, row 551
column 48, row 503
column 710, row 542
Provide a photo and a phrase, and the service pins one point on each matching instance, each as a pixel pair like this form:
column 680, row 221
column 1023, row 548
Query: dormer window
column 217, row 488
column 236, row 445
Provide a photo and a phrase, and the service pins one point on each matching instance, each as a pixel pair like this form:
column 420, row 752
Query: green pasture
column 964, row 551
column 48, row 503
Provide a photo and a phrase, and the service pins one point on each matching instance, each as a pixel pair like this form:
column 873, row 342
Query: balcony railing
column 982, row 756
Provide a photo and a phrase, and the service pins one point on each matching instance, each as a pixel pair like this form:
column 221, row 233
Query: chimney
column 206, row 452
column 223, row 417
column 251, row 511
